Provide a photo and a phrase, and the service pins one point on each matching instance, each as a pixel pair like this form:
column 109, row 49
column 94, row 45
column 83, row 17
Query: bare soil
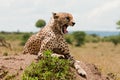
column 13, row 66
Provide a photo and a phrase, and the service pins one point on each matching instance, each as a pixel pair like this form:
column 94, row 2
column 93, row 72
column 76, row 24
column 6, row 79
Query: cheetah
column 51, row 37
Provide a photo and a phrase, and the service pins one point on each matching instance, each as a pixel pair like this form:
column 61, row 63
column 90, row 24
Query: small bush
column 93, row 38
column 40, row 23
column 5, row 54
column 49, row 68
column 96, row 40
column 79, row 37
column 69, row 39
column 94, row 35
column 114, row 39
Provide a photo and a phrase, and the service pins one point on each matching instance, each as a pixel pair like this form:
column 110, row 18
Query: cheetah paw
column 80, row 70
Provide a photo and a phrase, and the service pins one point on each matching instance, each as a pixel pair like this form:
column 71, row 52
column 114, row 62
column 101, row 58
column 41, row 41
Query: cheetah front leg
column 75, row 63
column 79, row 69
column 45, row 45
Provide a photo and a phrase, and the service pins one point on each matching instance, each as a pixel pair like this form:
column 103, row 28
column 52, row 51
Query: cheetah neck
column 55, row 26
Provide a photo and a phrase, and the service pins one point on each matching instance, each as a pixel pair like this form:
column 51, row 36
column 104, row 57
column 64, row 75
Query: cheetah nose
column 73, row 23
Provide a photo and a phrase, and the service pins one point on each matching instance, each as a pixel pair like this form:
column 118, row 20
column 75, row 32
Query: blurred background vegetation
column 92, row 48
column 40, row 23
column 76, row 38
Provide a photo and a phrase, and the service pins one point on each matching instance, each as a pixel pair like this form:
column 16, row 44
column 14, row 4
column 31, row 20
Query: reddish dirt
column 14, row 66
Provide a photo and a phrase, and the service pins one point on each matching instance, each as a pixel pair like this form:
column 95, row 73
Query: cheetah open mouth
column 64, row 29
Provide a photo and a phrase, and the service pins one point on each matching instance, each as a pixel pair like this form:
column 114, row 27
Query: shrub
column 114, row 39
column 49, row 68
column 96, row 39
column 93, row 38
column 79, row 37
column 69, row 39
column 94, row 35
column 5, row 54
column 40, row 23
column 118, row 23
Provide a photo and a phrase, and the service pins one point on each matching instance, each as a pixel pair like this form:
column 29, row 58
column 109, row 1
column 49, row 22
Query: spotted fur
column 51, row 37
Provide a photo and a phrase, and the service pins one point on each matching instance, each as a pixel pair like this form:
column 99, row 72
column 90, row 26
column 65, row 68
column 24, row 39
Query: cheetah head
column 63, row 20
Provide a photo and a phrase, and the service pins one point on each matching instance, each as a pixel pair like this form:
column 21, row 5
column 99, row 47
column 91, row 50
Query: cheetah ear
column 55, row 16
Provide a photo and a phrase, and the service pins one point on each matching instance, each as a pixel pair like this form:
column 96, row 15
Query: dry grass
column 16, row 48
column 105, row 55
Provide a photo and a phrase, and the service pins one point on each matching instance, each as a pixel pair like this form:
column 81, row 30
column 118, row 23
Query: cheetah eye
column 68, row 18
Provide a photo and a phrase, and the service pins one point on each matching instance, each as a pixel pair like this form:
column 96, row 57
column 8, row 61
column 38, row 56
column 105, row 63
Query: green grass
column 12, row 36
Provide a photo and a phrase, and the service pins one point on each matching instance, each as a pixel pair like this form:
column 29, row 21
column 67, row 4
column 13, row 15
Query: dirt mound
column 93, row 73
column 13, row 66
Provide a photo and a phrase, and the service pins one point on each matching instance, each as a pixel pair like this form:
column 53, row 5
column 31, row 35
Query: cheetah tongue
column 65, row 30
